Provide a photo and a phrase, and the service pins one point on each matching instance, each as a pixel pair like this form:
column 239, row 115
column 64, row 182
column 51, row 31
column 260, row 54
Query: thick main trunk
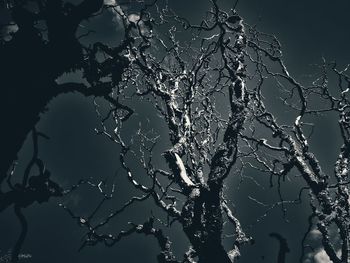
column 211, row 253
column 203, row 225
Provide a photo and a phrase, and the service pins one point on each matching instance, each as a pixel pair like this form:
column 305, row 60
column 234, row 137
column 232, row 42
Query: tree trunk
column 203, row 225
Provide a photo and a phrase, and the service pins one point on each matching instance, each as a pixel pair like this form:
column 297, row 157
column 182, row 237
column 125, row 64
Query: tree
column 35, row 55
column 207, row 82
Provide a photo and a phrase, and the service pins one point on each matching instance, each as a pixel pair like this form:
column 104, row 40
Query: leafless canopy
column 210, row 84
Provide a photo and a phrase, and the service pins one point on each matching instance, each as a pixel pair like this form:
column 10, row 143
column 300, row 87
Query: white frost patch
column 109, row 2
column 187, row 121
column 233, row 254
column 99, row 186
column 176, row 84
column 315, row 234
column 297, row 121
column 322, row 257
column 134, row 18
column 345, row 91
column 183, row 173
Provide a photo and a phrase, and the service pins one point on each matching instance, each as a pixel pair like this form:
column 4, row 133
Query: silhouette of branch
column 24, row 230
column 283, row 247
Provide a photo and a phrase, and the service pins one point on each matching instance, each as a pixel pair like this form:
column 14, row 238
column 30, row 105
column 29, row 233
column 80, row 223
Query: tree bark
column 203, row 223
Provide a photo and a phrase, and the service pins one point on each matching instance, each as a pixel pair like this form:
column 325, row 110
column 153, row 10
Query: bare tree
column 289, row 143
column 185, row 81
column 210, row 92
column 207, row 82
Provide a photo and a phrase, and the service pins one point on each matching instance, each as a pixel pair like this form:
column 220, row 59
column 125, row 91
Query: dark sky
column 307, row 29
